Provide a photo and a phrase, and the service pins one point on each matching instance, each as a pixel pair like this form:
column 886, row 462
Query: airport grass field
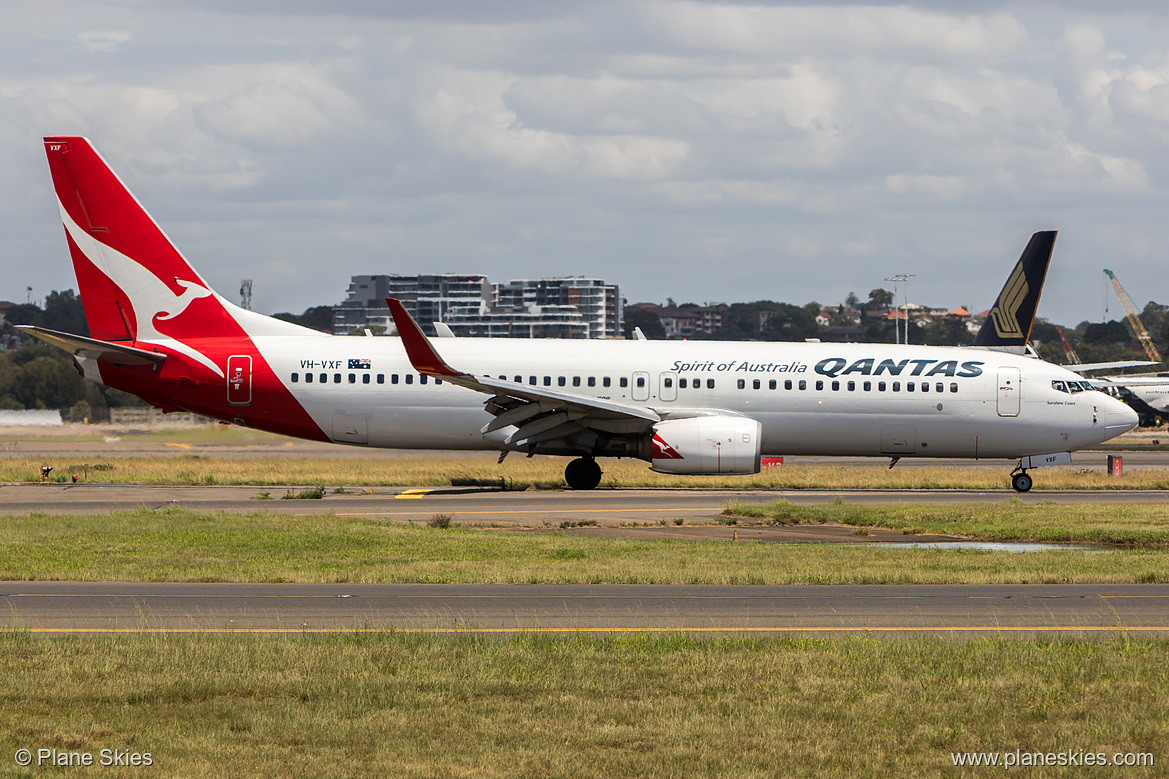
column 176, row 544
column 372, row 704
column 417, row 704
column 518, row 473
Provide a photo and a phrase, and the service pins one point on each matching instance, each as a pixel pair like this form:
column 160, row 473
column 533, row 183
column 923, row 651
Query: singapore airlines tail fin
column 133, row 282
column 1008, row 325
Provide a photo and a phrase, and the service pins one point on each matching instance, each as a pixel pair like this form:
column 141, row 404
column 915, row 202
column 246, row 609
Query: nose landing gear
column 583, row 473
column 1021, row 481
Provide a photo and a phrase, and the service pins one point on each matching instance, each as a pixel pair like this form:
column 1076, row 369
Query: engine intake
column 708, row 444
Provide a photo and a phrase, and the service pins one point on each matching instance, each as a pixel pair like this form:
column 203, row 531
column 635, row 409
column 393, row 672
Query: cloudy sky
column 705, row 151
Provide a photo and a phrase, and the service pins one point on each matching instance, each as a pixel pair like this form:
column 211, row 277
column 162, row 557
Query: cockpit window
column 1077, row 386
column 1059, row 386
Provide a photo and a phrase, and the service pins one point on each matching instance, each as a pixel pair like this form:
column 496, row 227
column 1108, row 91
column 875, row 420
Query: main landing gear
column 1021, row 481
column 583, row 473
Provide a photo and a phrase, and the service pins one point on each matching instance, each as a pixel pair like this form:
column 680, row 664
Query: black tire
column 582, row 473
column 1021, row 482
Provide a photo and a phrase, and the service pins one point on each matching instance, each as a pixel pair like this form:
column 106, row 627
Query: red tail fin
column 133, row 282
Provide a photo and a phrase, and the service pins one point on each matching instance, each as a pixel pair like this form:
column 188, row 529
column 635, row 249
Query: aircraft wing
column 1135, row 380
column 1107, row 366
column 540, row 414
column 93, row 348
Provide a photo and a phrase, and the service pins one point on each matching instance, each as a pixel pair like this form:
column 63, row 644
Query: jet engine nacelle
column 707, row 444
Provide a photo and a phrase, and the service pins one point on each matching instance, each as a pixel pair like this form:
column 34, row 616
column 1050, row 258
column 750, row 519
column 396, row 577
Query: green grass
column 1140, row 525
column 175, row 544
column 479, row 469
column 419, row 705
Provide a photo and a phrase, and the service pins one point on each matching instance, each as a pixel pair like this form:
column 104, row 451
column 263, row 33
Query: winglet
column 1013, row 313
column 422, row 355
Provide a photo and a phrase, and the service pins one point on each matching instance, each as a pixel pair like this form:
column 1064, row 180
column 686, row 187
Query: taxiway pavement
column 962, row 610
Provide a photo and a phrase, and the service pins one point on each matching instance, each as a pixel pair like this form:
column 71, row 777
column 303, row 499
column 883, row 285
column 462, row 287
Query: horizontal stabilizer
column 93, row 348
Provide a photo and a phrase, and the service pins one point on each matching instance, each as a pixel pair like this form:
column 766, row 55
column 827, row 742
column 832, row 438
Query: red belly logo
column 663, row 451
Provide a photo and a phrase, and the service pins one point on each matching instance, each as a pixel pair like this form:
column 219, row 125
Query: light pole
column 901, row 278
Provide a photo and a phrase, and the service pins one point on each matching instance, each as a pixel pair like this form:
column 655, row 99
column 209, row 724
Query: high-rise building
column 571, row 307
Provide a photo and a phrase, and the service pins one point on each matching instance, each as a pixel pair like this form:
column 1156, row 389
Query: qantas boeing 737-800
column 159, row 331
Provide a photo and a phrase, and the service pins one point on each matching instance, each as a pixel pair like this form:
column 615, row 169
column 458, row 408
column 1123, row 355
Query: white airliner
column 159, row 331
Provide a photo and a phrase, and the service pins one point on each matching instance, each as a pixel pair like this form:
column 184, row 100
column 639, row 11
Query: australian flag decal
column 356, row 365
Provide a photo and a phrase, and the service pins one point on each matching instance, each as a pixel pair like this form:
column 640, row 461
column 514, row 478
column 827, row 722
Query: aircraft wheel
column 1021, row 482
column 583, row 473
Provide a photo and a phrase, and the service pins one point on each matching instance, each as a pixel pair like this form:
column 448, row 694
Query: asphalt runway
column 1027, row 610
column 478, row 506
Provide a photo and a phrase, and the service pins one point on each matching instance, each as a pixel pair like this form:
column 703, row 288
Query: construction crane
column 1073, row 358
column 1131, row 312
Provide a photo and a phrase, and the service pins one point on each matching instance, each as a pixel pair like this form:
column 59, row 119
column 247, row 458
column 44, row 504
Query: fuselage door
column 239, row 379
column 1010, row 392
column 640, row 386
column 668, row 386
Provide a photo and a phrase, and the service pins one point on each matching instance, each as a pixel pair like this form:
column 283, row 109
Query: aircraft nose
column 1118, row 417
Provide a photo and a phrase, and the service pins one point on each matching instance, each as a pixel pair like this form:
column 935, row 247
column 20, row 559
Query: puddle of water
column 1016, row 547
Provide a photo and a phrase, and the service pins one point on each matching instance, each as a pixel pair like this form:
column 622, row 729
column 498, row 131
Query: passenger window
column 939, row 387
column 755, row 384
column 295, row 378
column 624, row 382
column 336, row 378
column 787, row 384
column 547, row 381
column 365, row 378
column 803, row 384
column 819, row 385
column 409, row 378
column 868, row 386
column 953, row 386
column 353, row 378
column 518, row 379
column 532, row 380
column 422, row 379
column 576, row 381
column 742, row 384
column 308, row 378
column 925, row 386
column 836, row 386
column 852, row 386
column 909, row 386
column 437, row 382
column 640, row 382
column 896, row 386
column 668, row 382
column 880, row 386
column 771, row 384
column 323, row 378
column 381, row 378
column 710, row 383
column 560, row 381
column 681, row 384
column 606, row 381
column 394, row 379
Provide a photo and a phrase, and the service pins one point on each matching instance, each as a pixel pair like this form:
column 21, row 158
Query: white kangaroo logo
column 145, row 290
